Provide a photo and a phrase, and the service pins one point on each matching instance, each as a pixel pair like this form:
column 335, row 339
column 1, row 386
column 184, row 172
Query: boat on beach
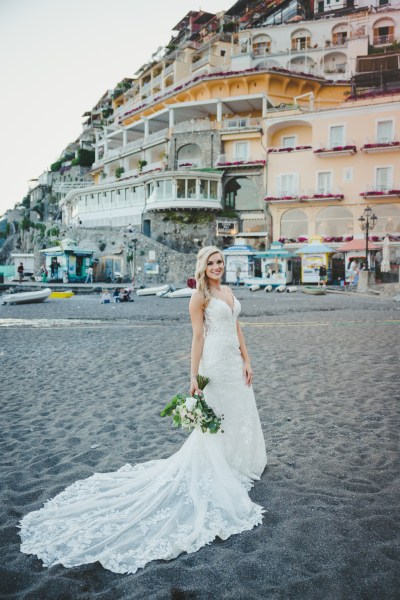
column 65, row 294
column 182, row 293
column 315, row 290
column 26, row 297
column 152, row 291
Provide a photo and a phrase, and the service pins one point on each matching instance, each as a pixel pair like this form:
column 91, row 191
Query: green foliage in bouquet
column 193, row 411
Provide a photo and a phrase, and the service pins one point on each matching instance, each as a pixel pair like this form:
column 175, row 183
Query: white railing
column 157, row 135
column 241, row 123
column 146, row 87
column 67, row 186
column 136, row 145
column 168, row 69
column 381, row 40
column 152, row 167
column 199, row 63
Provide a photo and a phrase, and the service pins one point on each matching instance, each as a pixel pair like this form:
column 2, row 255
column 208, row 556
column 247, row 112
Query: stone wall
column 184, row 230
column 209, row 143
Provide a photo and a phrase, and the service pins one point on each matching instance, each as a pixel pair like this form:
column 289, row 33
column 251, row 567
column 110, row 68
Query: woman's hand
column 248, row 373
column 194, row 386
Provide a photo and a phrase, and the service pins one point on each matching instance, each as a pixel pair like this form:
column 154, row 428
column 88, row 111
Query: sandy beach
column 82, row 385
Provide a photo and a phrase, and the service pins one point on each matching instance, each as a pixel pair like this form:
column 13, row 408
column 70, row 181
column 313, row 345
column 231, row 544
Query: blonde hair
column 202, row 284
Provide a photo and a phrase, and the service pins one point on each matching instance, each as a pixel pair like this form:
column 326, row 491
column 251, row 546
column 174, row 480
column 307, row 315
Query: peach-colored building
column 325, row 167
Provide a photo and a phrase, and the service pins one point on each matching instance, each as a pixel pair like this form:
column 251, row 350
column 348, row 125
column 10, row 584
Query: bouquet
column 194, row 411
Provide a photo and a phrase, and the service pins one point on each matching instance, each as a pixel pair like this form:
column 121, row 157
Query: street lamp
column 367, row 222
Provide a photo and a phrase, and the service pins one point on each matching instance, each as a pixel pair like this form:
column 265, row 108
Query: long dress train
column 158, row 509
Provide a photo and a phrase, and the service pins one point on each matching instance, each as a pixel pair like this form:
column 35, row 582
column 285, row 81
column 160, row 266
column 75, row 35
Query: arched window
column 261, row 45
column 294, row 224
column 388, row 219
column 334, row 221
column 241, row 194
column 301, row 39
column 189, row 155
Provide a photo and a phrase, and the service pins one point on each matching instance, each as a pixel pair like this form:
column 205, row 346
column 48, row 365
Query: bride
column 161, row 508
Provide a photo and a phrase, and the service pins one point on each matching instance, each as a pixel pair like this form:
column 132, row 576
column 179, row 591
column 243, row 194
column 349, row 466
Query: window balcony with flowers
column 288, row 149
column 343, row 150
column 223, row 161
column 378, row 191
column 282, row 198
column 324, row 196
column 381, row 146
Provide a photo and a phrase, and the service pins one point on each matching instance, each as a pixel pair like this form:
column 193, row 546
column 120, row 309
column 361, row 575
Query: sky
column 57, row 59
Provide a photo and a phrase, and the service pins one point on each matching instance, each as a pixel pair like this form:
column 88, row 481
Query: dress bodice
column 220, row 318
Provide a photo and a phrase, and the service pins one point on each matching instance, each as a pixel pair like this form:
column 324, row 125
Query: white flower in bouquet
column 190, row 403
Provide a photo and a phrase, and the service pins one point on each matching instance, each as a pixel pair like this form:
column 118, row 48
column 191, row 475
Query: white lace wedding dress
column 158, row 509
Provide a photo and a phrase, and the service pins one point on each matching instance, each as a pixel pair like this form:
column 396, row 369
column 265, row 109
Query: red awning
column 357, row 244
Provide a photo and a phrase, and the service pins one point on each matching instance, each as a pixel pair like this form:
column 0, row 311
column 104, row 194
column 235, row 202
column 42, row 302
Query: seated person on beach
column 117, row 295
column 126, row 296
column 105, row 298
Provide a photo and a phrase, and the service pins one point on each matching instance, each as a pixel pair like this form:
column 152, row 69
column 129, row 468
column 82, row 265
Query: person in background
column 238, row 272
column 322, row 275
column 43, row 273
column 105, row 297
column 20, row 271
column 89, row 275
column 117, row 295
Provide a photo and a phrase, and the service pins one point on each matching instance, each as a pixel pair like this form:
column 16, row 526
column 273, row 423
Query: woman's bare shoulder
column 228, row 289
column 197, row 299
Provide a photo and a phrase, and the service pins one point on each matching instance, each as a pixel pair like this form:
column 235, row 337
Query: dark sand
column 82, row 385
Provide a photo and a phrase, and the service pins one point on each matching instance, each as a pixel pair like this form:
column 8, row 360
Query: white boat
column 182, row 293
column 152, row 291
column 26, row 297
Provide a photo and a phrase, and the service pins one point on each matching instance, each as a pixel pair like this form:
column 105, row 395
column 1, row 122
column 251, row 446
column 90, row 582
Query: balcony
column 241, row 124
column 155, row 138
column 282, row 198
column 224, row 161
column 376, row 147
column 200, row 63
column 384, row 40
column 330, row 150
column 322, row 195
column 282, row 150
column 169, row 69
column 189, row 164
column 378, row 192
column 286, row 196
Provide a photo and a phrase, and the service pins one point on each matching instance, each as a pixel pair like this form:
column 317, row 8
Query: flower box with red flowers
column 337, row 150
column 381, row 193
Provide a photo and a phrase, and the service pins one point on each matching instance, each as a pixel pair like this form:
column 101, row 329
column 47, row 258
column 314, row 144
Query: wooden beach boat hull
column 316, row 291
column 26, row 297
column 66, row 294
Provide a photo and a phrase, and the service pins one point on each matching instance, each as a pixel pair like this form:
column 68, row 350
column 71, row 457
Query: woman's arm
column 197, row 317
column 247, row 370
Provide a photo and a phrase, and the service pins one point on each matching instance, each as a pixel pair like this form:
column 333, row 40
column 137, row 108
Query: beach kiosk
column 239, row 256
column 276, row 267
column 67, row 262
column 354, row 251
column 313, row 256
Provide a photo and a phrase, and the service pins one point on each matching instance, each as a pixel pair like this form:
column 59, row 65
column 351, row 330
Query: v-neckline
column 231, row 308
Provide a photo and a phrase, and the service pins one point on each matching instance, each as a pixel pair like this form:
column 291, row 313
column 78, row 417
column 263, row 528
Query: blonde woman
column 219, row 352
column 158, row 509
